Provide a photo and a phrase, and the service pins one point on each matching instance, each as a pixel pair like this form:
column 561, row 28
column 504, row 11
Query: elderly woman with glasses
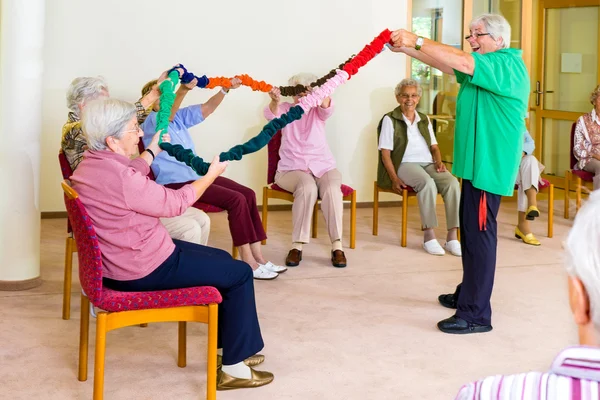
column 409, row 155
column 488, row 143
column 138, row 254
column 587, row 139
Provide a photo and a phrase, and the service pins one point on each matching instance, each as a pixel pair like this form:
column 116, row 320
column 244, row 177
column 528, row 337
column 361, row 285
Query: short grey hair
column 595, row 94
column 496, row 25
column 405, row 83
column 103, row 118
column 303, row 78
column 84, row 89
column 583, row 252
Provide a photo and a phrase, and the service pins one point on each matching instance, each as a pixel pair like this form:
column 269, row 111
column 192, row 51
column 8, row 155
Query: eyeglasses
column 136, row 128
column 409, row 96
column 475, row 35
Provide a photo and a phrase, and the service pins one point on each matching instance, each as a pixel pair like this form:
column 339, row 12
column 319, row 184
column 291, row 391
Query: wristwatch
column 419, row 43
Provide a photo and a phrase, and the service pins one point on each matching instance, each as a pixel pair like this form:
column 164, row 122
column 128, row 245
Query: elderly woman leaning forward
column 409, row 155
column 138, row 254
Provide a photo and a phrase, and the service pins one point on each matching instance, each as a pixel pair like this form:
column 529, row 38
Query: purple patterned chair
column 582, row 178
column 120, row 309
column 275, row 192
column 70, row 247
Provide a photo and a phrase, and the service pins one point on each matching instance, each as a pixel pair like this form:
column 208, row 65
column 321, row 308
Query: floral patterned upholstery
column 66, row 171
column 584, row 175
column 543, row 184
column 273, row 154
column 90, row 274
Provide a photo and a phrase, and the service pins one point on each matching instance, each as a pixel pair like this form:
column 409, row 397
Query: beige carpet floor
column 364, row 332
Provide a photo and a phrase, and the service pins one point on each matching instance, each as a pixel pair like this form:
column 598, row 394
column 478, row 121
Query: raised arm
column 211, row 105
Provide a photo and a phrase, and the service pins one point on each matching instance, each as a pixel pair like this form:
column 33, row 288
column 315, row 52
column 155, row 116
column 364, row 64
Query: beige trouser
column 427, row 182
column 307, row 188
column 192, row 226
column 528, row 176
column 593, row 166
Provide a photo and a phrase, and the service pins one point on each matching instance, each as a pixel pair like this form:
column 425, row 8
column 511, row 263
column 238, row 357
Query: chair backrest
column 273, row 152
column 65, row 168
column 573, row 161
column 88, row 248
column 141, row 149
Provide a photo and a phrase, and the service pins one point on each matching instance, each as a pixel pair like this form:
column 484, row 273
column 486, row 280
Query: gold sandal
column 529, row 238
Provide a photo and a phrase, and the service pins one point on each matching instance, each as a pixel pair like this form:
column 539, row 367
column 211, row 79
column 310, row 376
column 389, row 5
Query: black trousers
column 479, row 240
column 192, row 264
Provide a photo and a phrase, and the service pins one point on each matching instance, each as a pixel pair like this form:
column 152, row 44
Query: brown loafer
column 228, row 382
column 293, row 258
column 338, row 259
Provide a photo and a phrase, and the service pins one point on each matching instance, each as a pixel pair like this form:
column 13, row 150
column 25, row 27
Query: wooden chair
column 581, row 178
column 547, row 187
column 275, row 192
column 70, row 246
column 207, row 208
column 406, row 193
column 121, row 309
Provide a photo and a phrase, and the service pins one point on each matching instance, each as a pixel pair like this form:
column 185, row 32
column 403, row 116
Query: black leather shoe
column 448, row 300
column 456, row 325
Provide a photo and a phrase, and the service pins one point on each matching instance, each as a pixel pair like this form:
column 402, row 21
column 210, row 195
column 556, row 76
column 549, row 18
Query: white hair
column 583, row 252
column 405, row 83
column 83, row 90
column 103, row 118
column 302, row 79
column 496, row 25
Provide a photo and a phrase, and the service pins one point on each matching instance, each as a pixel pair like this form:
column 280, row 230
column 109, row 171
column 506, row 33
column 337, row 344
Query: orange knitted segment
column 246, row 81
column 218, row 81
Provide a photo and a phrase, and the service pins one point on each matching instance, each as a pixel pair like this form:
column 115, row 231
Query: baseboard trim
column 272, row 207
column 20, row 285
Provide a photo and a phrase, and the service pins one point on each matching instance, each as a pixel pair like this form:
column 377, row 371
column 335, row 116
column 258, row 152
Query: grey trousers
column 593, row 166
column 427, row 182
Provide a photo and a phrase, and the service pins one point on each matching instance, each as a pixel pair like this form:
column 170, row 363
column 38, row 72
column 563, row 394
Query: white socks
column 297, row 245
column 220, row 352
column 239, row 370
column 336, row 245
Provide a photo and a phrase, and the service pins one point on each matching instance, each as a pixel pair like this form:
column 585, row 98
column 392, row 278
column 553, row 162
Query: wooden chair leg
column 566, row 205
column 211, row 365
column 234, row 252
column 404, row 217
column 143, row 325
column 375, row 209
column 69, row 249
column 551, row 210
column 577, row 194
column 315, row 220
column 84, row 332
column 353, row 221
column 265, row 211
column 100, row 356
column 181, row 348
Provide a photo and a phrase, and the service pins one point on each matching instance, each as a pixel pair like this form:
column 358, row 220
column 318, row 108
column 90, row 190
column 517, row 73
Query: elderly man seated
column 528, row 180
column 409, row 155
column 575, row 373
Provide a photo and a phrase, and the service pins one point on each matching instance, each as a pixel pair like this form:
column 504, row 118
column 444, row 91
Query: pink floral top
column 587, row 138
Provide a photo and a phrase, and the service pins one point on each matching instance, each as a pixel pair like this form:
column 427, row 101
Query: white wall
column 130, row 42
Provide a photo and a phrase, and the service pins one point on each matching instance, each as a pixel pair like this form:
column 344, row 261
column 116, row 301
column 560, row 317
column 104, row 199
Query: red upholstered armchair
column 70, row 247
column 207, row 208
column 275, row 192
column 581, row 178
column 121, row 309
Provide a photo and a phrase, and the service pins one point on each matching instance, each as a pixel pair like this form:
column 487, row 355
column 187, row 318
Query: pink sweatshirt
column 124, row 206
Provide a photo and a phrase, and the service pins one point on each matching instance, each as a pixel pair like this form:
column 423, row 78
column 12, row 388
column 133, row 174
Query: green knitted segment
column 167, row 98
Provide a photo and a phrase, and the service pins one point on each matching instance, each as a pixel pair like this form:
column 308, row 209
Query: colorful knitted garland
column 313, row 99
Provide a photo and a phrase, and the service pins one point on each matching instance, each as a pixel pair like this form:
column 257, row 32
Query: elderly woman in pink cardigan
column 308, row 170
column 137, row 252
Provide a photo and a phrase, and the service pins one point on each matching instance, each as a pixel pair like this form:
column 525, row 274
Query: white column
column 21, row 62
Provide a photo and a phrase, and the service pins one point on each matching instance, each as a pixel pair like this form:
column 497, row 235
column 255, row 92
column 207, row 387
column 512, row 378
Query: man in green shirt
column 488, row 141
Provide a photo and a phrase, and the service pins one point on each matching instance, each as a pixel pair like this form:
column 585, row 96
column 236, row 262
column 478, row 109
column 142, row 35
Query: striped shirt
column 574, row 375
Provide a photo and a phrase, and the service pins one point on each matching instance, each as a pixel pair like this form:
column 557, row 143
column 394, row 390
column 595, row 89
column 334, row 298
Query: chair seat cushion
column 114, row 301
column 543, row 184
column 207, row 208
column 346, row 190
column 584, row 175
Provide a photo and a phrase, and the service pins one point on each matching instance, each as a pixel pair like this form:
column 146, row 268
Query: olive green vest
column 400, row 142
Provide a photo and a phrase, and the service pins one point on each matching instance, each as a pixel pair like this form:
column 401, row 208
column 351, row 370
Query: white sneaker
column 453, row 247
column 274, row 268
column 262, row 273
column 433, row 247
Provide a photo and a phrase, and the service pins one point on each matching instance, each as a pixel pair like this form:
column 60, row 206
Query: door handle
column 538, row 92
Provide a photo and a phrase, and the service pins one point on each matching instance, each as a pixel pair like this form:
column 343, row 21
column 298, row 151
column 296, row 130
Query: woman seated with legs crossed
column 137, row 252
column 409, row 155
